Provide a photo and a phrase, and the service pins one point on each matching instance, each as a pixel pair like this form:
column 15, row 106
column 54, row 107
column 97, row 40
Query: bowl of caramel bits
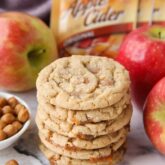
column 14, row 119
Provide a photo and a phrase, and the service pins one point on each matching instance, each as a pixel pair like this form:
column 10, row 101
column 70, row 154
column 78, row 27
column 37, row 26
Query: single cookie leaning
column 88, row 116
column 83, row 82
column 85, row 131
column 57, row 159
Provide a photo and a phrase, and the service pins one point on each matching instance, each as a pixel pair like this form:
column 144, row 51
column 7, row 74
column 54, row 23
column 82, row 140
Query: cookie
column 83, row 82
column 81, row 145
column 81, row 154
column 56, row 159
column 76, row 143
column 88, row 116
column 85, row 131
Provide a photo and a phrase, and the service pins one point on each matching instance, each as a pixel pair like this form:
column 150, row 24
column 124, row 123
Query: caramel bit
column 3, row 102
column 23, row 115
column 17, row 125
column 7, row 109
column 86, row 81
column 75, row 121
column 18, row 107
column 72, row 148
column 12, row 117
column 10, row 130
column 12, row 162
column 2, row 124
column 8, row 118
column 53, row 160
column 12, row 102
column 85, row 137
column 3, row 135
column 101, row 159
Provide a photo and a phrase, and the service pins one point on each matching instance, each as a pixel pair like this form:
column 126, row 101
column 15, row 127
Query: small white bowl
column 11, row 140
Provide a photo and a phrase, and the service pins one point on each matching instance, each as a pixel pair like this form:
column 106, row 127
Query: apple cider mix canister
column 94, row 27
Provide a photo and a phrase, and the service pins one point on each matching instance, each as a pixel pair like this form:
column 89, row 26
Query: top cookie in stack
column 84, row 109
column 83, row 82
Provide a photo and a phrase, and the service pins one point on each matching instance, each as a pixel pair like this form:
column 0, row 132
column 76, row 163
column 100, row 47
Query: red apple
column 26, row 46
column 143, row 54
column 154, row 116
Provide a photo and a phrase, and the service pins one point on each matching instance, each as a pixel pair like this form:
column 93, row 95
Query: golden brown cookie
column 88, row 116
column 85, row 131
column 57, row 159
column 82, row 154
column 76, row 143
column 83, row 82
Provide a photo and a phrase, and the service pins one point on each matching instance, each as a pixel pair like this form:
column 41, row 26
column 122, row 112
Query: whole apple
column 154, row 116
column 143, row 54
column 26, row 46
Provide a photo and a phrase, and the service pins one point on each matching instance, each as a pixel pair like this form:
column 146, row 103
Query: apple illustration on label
column 154, row 116
column 143, row 54
column 26, row 46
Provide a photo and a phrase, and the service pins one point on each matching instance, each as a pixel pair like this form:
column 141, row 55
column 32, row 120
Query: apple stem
column 36, row 52
column 159, row 34
column 34, row 55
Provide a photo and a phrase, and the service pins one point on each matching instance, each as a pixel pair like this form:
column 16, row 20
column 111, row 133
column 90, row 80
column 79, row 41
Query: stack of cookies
column 84, row 111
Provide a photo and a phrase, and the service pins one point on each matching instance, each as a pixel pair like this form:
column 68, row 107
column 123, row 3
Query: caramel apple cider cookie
column 77, row 144
column 85, row 131
column 57, row 159
column 88, row 116
column 80, row 154
column 83, row 82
